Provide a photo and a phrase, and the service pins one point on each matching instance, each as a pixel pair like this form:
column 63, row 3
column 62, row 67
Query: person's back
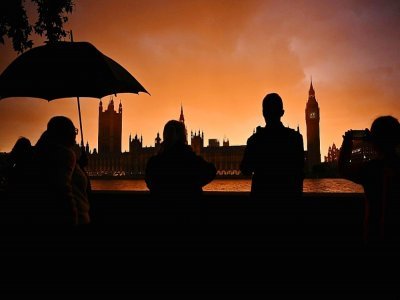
column 176, row 170
column 52, row 200
column 176, row 175
column 276, row 161
column 381, row 181
column 274, row 155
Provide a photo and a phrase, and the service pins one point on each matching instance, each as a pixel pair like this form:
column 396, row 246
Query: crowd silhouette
column 48, row 190
column 47, row 183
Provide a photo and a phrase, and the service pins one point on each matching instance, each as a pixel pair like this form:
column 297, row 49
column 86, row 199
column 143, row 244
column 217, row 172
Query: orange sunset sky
column 220, row 57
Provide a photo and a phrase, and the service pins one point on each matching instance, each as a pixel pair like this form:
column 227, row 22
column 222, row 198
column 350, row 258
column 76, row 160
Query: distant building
column 213, row 143
column 108, row 162
column 108, row 159
column 226, row 159
column 182, row 119
column 362, row 149
column 333, row 154
column 312, row 122
column 197, row 141
column 225, row 143
column 110, row 129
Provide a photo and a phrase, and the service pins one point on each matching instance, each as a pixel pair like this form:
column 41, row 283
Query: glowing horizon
column 220, row 58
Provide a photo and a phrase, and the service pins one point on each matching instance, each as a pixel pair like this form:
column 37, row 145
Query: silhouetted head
column 61, row 130
column 174, row 134
column 21, row 149
column 385, row 133
column 272, row 108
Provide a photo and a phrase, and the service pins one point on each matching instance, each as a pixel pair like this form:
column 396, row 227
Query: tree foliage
column 14, row 21
column 14, row 24
column 52, row 17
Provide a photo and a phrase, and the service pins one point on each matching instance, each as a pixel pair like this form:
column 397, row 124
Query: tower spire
column 111, row 103
column 181, row 117
column 311, row 92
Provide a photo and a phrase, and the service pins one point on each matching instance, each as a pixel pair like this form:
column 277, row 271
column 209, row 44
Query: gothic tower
column 157, row 142
column 110, row 129
column 135, row 144
column 312, row 122
column 182, row 119
column 197, row 142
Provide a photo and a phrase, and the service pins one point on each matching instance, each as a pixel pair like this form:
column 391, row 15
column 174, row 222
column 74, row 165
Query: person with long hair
column 176, row 174
column 176, row 170
column 380, row 178
column 52, row 186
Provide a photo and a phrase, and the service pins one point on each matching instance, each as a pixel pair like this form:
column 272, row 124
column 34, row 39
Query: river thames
column 325, row 185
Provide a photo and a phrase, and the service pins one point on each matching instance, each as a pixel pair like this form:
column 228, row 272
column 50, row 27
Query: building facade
column 362, row 149
column 333, row 154
column 109, row 161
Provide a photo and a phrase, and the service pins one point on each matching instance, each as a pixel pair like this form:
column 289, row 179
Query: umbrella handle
column 80, row 122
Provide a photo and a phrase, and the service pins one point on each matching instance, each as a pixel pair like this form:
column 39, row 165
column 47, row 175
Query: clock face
column 313, row 115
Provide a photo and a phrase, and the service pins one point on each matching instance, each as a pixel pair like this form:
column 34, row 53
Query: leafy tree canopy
column 14, row 21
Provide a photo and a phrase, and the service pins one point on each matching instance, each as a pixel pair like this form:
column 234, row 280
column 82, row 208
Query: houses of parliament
column 109, row 160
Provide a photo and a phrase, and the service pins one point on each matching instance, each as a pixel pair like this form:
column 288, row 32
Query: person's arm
column 300, row 157
column 207, row 171
column 149, row 174
column 248, row 164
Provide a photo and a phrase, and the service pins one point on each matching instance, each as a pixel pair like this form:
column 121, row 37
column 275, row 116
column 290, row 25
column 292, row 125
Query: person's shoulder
column 188, row 149
column 292, row 133
column 154, row 159
column 187, row 152
column 257, row 135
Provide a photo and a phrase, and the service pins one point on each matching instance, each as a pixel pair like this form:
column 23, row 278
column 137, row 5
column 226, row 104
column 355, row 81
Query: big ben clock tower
column 312, row 121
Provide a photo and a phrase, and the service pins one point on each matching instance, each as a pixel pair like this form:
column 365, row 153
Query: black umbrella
column 66, row 69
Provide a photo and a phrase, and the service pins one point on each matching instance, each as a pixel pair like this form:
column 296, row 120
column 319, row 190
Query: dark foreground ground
column 136, row 245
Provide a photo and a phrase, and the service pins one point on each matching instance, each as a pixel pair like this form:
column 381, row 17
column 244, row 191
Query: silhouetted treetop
column 52, row 16
column 14, row 22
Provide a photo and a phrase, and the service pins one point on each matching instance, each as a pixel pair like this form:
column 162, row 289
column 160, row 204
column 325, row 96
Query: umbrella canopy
column 66, row 69
column 63, row 70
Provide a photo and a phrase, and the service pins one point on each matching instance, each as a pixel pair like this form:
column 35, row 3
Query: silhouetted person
column 380, row 178
column 274, row 156
column 18, row 158
column 17, row 173
column 54, row 164
column 176, row 174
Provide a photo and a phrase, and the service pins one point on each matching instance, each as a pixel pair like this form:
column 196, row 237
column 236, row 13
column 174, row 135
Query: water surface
column 325, row 185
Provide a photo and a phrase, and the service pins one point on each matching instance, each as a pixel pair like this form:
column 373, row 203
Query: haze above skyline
column 220, row 58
